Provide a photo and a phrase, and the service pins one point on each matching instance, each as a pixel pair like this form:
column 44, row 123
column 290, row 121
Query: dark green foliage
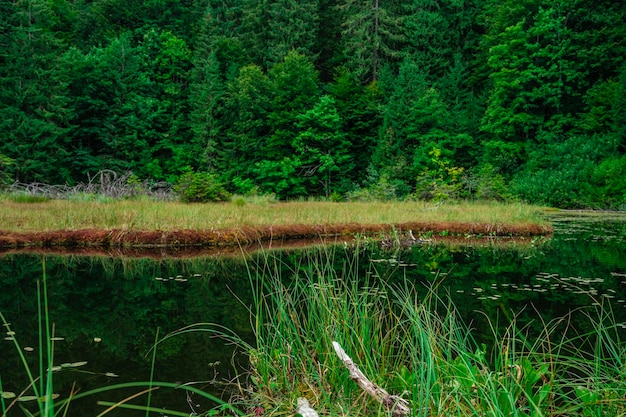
column 200, row 187
column 34, row 103
column 570, row 174
column 302, row 98
column 371, row 34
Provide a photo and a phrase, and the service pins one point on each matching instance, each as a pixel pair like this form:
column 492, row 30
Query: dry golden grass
column 167, row 216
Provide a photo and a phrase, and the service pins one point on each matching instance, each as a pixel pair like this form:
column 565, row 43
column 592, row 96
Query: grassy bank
column 167, row 216
column 415, row 347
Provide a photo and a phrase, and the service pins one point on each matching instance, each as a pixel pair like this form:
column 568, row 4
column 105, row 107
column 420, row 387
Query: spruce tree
column 371, row 35
column 33, row 95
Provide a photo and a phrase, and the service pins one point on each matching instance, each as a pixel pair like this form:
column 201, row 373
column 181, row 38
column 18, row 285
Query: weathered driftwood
column 305, row 409
column 397, row 405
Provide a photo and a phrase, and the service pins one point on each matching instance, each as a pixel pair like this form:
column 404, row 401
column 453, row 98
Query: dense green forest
column 500, row 99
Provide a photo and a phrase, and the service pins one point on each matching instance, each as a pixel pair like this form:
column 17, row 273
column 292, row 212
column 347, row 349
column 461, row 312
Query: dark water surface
column 108, row 309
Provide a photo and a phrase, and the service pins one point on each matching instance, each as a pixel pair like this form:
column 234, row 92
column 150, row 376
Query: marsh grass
column 152, row 215
column 415, row 346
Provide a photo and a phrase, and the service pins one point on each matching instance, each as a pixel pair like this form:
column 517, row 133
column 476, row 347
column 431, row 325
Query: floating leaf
column 28, row 349
column 7, row 395
column 56, row 338
column 97, row 339
column 111, row 374
column 77, row 364
column 25, row 398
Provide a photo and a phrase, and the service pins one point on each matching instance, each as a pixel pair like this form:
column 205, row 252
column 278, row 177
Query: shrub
column 490, row 185
column 200, row 187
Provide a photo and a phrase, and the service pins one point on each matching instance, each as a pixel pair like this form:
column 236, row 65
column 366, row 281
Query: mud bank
column 235, row 237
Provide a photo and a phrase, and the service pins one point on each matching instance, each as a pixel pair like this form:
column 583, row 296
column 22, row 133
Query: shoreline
column 251, row 235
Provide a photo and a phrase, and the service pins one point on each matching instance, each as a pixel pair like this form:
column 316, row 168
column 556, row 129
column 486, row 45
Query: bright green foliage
column 296, row 90
column 619, row 112
column 280, row 177
column 608, row 185
column 438, row 180
column 167, row 61
column 245, row 136
column 416, row 121
column 292, row 89
column 207, row 104
column 114, row 108
column 200, row 187
column 490, row 185
column 322, row 148
column 5, row 170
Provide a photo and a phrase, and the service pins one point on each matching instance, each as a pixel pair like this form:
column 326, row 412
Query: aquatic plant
column 416, row 347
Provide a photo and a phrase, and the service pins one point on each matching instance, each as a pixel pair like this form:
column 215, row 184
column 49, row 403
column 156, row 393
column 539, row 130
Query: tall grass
column 153, row 215
column 415, row 346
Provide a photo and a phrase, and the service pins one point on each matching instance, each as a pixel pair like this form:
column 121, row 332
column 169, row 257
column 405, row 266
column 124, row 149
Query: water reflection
column 107, row 309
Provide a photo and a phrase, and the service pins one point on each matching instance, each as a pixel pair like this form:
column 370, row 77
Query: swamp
column 253, row 325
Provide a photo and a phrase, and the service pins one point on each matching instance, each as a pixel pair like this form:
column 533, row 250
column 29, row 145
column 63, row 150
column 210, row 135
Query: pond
column 108, row 310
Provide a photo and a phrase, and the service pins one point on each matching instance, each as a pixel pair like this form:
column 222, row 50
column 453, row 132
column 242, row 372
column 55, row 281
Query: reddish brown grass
column 252, row 234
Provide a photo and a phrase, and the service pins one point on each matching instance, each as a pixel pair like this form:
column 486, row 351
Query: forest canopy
column 429, row 99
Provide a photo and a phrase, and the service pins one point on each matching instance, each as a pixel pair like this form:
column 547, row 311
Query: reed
column 56, row 215
column 414, row 346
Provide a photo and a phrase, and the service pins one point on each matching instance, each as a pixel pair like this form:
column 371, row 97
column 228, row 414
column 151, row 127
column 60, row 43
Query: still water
column 107, row 310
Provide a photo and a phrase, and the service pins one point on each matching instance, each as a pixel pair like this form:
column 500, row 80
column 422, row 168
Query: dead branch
column 397, row 405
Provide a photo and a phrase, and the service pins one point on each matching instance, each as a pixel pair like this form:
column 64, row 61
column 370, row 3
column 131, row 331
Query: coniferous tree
column 371, row 33
column 360, row 114
column 273, row 29
column 33, row 97
column 329, row 48
column 242, row 142
column 322, row 149
column 117, row 115
column 292, row 26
